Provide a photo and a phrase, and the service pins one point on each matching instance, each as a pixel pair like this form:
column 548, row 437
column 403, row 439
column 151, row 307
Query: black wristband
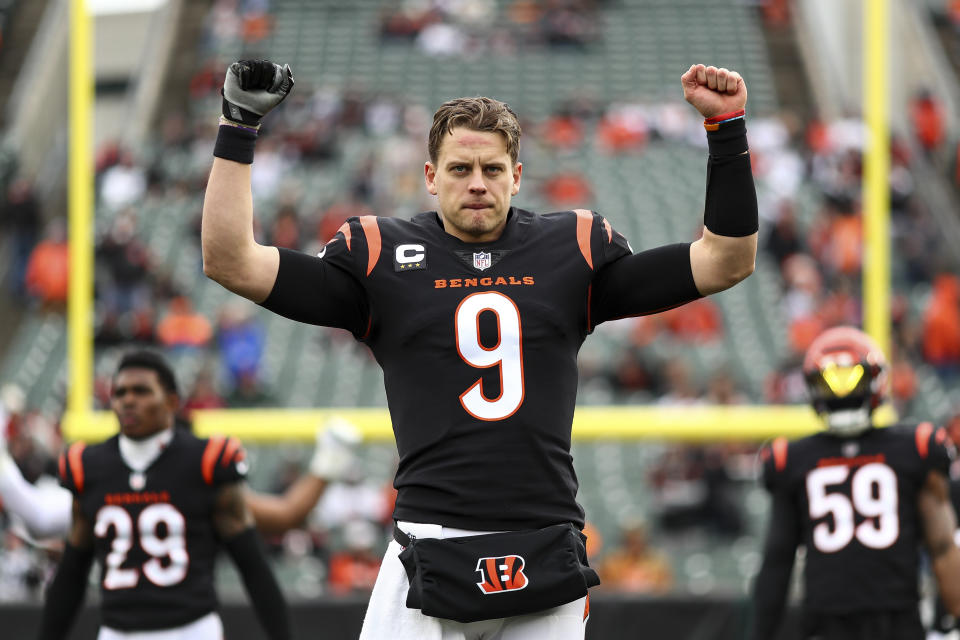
column 729, row 139
column 730, row 208
column 235, row 143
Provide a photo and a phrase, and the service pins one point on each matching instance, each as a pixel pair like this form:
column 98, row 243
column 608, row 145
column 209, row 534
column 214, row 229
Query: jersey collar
column 140, row 454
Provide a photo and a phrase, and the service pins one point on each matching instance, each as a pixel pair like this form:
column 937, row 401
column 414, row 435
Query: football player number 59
column 168, row 554
column 507, row 354
column 873, row 495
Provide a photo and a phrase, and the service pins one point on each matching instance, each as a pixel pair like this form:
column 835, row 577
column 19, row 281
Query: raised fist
column 713, row 91
column 254, row 87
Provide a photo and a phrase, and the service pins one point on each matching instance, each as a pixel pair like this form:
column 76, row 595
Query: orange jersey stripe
column 780, row 453
column 76, row 464
column 345, row 230
column 210, row 455
column 232, row 445
column 366, row 333
column 586, row 608
column 372, row 231
column 584, row 224
column 924, row 429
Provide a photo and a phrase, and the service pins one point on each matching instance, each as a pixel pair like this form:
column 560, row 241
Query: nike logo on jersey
column 322, row 252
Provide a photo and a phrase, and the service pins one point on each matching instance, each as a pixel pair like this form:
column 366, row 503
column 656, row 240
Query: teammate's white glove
column 334, row 454
column 252, row 88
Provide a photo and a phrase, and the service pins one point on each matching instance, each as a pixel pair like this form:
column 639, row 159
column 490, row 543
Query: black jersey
column 154, row 537
column 942, row 620
column 856, row 505
column 478, row 345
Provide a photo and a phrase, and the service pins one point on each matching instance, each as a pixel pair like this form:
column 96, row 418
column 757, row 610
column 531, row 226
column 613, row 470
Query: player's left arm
column 939, row 524
column 333, row 456
column 278, row 514
column 727, row 251
column 68, row 588
column 234, row 524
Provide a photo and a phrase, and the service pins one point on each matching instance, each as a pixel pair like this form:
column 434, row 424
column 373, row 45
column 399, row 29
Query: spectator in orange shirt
column 566, row 189
column 941, row 325
column 354, row 569
column 927, row 119
column 698, row 321
column 183, row 327
column 48, row 268
column 635, row 566
column 563, row 130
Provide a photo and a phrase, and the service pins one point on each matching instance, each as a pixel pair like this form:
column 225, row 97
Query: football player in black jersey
column 945, row 624
column 45, row 510
column 476, row 313
column 153, row 505
column 861, row 500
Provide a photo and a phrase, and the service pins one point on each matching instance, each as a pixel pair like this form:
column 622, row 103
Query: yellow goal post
column 696, row 423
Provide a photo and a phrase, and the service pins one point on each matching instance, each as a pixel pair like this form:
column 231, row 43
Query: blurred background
column 596, row 85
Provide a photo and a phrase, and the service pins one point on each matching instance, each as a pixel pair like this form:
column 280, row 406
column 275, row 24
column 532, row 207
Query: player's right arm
column 773, row 581
column 939, row 523
column 783, row 537
column 231, row 255
column 46, row 514
column 66, row 592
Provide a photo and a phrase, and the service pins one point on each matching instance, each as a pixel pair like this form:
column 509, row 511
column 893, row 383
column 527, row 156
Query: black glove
column 254, row 87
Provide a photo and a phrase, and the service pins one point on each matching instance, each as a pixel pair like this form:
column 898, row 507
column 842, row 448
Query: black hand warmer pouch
column 496, row 575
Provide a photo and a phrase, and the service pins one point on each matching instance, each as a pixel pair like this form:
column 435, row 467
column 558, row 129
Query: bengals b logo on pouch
column 500, row 575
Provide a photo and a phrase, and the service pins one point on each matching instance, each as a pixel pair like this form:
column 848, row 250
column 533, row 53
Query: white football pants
column 209, row 627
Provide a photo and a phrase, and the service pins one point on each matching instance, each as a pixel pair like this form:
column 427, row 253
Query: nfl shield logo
column 481, row 261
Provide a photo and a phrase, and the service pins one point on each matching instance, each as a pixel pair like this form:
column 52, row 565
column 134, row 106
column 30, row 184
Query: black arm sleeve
column 643, row 283
column 248, row 554
column 773, row 582
column 318, row 291
column 66, row 593
column 731, row 201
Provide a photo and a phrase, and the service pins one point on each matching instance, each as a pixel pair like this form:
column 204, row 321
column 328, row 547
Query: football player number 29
column 507, row 354
column 873, row 495
column 168, row 554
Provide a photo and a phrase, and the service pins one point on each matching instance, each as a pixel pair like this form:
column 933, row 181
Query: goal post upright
column 80, row 212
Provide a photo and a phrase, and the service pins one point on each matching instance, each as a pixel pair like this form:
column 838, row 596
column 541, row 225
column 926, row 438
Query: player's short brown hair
column 479, row 114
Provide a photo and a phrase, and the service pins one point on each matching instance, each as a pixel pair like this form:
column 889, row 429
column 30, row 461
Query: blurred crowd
column 456, row 27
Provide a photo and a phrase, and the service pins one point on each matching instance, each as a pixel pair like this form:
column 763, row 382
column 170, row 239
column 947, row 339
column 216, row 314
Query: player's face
column 143, row 407
column 474, row 178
